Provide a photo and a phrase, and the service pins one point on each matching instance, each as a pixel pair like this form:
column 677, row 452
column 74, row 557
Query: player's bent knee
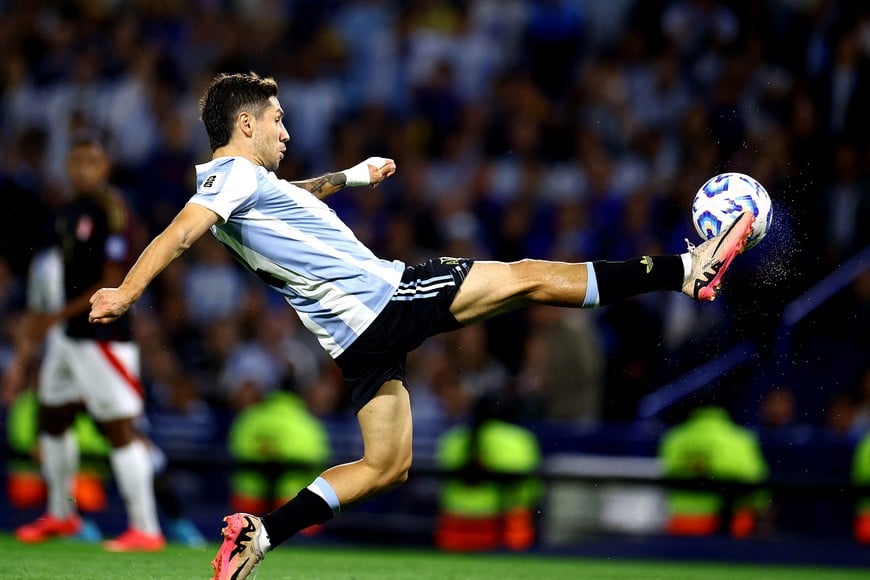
column 394, row 479
column 394, row 475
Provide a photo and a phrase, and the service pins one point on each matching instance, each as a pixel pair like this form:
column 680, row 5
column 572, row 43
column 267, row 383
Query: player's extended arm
column 107, row 304
column 372, row 172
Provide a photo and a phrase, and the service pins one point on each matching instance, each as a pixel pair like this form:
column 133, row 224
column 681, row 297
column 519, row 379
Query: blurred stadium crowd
column 560, row 129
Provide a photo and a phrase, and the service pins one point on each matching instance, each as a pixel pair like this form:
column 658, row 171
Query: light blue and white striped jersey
column 297, row 244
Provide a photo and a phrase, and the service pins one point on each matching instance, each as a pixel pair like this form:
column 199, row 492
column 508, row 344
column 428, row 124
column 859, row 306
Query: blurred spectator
column 277, row 429
column 709, row 446
column 480, row 508
column 564, row 366
column 778, row 408
column 250, row 373
column 842, row 88
column 633, row 356
column 479, row 372
column 214, row 285
column 847, row 208
column 840, row 415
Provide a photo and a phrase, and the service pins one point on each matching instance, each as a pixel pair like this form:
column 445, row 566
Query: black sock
column 618, row 280
column 306, row 509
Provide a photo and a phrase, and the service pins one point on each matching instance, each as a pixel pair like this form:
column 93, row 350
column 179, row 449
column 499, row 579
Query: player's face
column 87, row 167
column 271, row 135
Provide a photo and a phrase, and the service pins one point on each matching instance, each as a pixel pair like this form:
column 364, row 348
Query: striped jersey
column 298, row 245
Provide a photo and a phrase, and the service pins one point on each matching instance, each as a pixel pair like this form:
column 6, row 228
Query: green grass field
column 74, row 561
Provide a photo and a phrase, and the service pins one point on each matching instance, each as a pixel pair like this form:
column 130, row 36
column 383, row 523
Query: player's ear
column 244, row 123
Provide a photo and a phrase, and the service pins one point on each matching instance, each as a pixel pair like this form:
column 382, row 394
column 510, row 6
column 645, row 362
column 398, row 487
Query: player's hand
column 107, row 305
column 378, row 173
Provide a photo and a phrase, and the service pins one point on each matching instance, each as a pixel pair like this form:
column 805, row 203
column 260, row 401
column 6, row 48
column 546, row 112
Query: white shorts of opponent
column 102, row 375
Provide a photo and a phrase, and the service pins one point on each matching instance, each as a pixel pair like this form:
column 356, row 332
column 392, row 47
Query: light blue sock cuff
column 591, row 299
column 322, row 488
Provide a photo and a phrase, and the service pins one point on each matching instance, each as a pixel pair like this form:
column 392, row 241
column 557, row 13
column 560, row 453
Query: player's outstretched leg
column 240, row 553
column 711, row 259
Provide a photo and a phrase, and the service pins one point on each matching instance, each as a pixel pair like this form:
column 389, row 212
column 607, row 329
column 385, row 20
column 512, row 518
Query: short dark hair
column 227, row 96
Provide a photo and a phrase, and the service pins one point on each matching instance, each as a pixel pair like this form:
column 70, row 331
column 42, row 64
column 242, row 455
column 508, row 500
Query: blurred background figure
column 480, row 508
column 709, row 446
column 277, row 429
column 778, row 409
column 861, row 476
column 84, row 366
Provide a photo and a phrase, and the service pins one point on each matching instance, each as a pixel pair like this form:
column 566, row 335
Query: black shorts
column 420, row 308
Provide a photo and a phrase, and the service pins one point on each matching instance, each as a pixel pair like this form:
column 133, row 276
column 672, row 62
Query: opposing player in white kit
column 97, row 367
column 368, row 313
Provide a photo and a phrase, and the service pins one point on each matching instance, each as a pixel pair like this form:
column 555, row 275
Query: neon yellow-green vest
column 279, row 428
column 861, row 470
column 504, row 448
column 22, row 428
column 709, row 444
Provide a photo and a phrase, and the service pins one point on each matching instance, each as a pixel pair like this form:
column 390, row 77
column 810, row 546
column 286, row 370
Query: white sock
column 687, row 266
column 135, row 476
column 60, row 463
column 262, row 539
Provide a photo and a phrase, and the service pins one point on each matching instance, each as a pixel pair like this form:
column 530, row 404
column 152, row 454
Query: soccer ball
column 719, row 201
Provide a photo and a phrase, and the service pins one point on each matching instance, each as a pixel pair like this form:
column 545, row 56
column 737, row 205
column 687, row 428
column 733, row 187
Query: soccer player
column 83, row 363
column 368, row 313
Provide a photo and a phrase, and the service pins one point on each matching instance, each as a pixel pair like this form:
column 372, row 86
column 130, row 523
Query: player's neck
column 230, row 150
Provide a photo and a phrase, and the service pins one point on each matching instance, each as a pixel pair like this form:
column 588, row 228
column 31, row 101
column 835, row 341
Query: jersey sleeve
column 45, row 292
column 226, row 188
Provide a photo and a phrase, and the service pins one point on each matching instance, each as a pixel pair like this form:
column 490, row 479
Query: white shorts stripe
column 428, row 281
column 424, row 288
column 414, row 297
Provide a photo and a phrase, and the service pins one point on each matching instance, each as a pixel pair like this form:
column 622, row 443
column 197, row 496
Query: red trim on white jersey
column 120, row 368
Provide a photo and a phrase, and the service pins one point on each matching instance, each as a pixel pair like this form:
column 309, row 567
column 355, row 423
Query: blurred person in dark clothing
column 94, row 366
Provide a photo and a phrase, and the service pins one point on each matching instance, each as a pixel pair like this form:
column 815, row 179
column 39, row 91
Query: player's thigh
column 57, row 386
column 489, row 289
column 108, row 375
column 385, row 423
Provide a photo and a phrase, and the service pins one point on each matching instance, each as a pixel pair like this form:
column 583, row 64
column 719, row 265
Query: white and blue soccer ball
column 724, row 197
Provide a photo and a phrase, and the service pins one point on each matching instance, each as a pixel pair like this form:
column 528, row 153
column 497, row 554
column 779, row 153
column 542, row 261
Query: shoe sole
column 230, row 533
column 708, row 292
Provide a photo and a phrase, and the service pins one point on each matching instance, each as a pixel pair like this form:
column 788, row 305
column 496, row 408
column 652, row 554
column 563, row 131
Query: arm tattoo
column 318, row 184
